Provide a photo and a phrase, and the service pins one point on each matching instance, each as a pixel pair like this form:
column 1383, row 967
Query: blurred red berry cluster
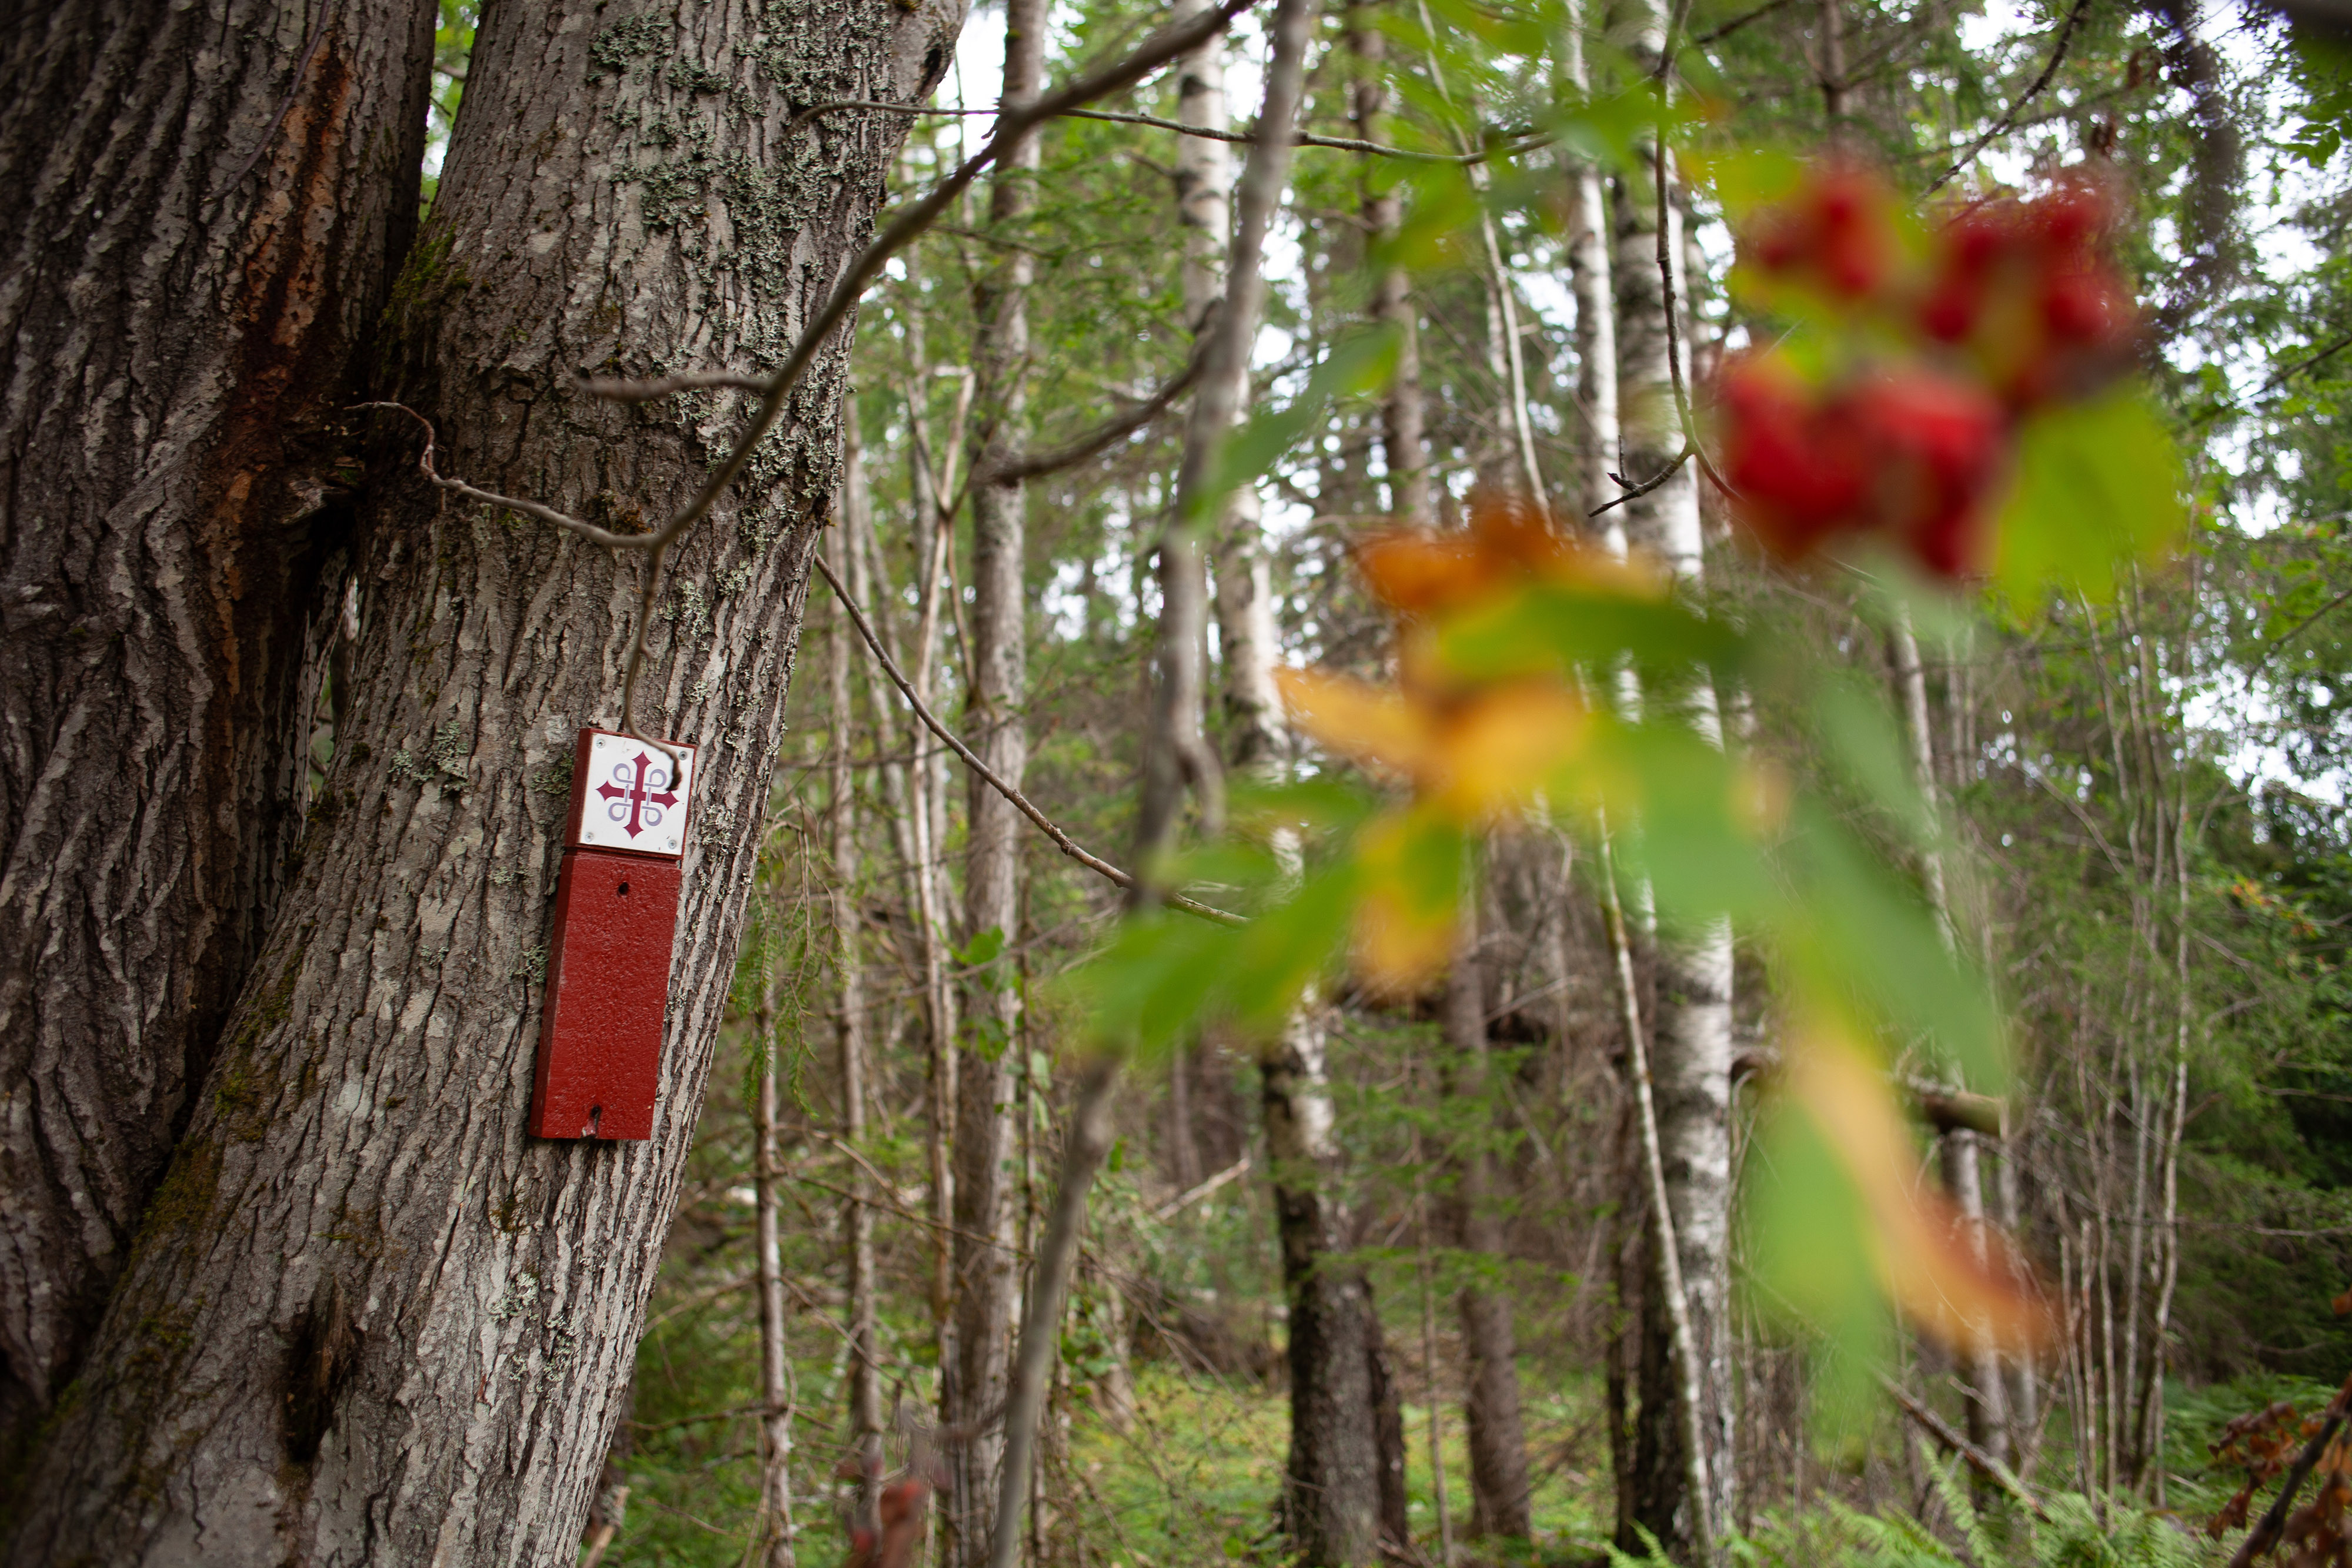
column 1952, row 339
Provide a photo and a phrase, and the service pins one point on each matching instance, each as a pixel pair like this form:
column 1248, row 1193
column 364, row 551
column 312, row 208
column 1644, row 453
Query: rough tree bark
column 1692, row 1028
column 1490, row 1405
column 195, row 254
column 363, row 1318
column 987, row 1275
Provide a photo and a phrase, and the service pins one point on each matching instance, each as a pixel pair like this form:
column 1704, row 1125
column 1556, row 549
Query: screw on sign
column 600, row 1034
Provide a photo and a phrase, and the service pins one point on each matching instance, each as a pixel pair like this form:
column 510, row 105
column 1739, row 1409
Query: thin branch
column 1031, row 465
column 1509, row 146
column 1194, row 1193
column 1634, row 492
column 1737, row 23
column 589, row 531
column 2292, row 633
column 301, row 69
column 988, row 774
column 910, row 222
column 2009, row 121
column 1674, row 20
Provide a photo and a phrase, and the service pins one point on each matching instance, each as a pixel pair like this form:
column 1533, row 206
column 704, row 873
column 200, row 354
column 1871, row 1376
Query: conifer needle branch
column 2009, row 121
column 988, row 774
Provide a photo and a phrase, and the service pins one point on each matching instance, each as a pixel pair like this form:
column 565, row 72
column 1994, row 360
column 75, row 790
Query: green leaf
column 2097, row 484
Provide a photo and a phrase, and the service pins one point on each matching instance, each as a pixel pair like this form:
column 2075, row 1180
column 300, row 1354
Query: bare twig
column 1031, row 465
column 1984, row 1464
column 1508, row 146
column 1040, row 1324
column 1634, row 492
column 2007, row 121
column 588, row 531
column 1737, row 23
column 301, row 69
column 1020, row 802
column 1664, row 69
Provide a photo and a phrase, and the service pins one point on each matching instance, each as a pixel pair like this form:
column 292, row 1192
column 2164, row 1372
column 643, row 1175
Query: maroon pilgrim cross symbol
column 635, row 794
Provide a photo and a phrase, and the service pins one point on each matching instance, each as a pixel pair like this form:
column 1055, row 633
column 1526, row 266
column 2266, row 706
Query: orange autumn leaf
column 1505, row 543
column 1472, row 757
column 1953, row 1278
column 1406, row 930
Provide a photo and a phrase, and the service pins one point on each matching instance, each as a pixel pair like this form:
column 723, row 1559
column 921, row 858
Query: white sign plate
column 629, row 799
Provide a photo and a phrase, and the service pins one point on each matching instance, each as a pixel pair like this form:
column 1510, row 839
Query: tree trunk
column 364, row 1317
column 1490, row 1406
column 1983, row 1388
column 1404, row 447
column 1692, row 1034
column 1596, row 319
column 1331, row 1494
column 775, row 1365
column 197, row 254
column 864, row 1365
column 987, row 1278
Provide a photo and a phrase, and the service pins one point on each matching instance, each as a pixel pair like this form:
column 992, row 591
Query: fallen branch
column 1976, row 1459
column 989, row 776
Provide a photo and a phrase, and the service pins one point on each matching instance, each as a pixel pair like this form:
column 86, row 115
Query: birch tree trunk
column 1692, row 1030
column 364, row 1318
column 775, row 1365
column 987, row 1276
column 1983, row 1388
column 193, row 256
column 864, row 1367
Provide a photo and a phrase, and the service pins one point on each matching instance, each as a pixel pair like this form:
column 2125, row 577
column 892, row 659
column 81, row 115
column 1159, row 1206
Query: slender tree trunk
column 363, row 1315
column 1424, row 1273
column 1692, row 1065
column 195, row 256
column 987, row 1278
column 1596, row 310
column 1388, row 1429
column 1331, row 1495
column 1405, row 448
column 863, row 1366
column 1984, row 1388
column 775, row 1366
column 1490, row 1406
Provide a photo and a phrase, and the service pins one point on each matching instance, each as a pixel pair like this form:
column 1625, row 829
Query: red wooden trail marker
column 600, row 1035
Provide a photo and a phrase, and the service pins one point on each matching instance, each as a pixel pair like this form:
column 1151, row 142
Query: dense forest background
column 2146, row 848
